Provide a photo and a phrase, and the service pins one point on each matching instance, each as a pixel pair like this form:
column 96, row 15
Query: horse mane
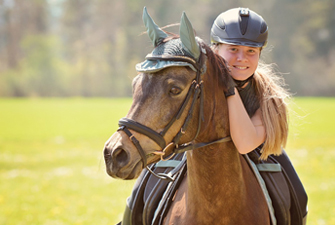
column 220, row 68
column 249, row 98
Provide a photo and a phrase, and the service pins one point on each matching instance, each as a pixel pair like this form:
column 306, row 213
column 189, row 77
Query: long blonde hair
column 273, row 98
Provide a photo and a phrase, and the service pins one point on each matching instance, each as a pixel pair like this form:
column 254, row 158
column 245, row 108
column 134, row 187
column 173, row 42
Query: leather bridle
column 195, row 90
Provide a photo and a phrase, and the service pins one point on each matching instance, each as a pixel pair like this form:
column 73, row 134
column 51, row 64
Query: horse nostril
column 120, row 156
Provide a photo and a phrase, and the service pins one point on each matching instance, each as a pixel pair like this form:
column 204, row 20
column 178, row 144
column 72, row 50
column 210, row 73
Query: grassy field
column 52, row 170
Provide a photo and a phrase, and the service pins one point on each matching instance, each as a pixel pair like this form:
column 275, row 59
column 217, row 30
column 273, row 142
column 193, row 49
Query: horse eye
column 175, row 91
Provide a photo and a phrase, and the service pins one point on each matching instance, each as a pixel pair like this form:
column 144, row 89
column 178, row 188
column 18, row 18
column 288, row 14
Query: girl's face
column 242, row 60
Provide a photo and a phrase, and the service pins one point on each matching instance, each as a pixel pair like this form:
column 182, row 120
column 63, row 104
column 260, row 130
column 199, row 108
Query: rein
column 196, row 89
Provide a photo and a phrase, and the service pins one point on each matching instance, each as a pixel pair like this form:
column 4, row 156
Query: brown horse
column 179, row 99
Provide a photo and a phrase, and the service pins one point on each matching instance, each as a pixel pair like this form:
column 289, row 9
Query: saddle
column 288, row 196
column 151, row 197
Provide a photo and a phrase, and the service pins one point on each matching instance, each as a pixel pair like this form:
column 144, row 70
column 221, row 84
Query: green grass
column 52, row 169
column 311, row 147
column 51, row 164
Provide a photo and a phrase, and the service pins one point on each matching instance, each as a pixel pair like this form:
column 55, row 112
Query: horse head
column 179, row 86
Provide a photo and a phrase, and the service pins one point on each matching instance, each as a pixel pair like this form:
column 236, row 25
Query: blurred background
column 90, row 47
column 55, row 53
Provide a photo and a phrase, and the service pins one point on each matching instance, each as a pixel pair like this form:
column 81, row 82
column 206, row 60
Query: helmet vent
column 240, row 26
column 222, row 25
column 264, row 28
column 244, row 12
column 244, row 17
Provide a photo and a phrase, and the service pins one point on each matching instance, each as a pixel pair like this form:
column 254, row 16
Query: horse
column 178, row 98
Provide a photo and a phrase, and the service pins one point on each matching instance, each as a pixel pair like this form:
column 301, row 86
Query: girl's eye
column 175, row 91
column 254, row 50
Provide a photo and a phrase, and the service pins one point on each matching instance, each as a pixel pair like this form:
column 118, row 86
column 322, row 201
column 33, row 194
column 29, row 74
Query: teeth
column 241, row 67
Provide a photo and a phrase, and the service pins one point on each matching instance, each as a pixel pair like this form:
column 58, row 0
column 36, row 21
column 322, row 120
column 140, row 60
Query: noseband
column 196, row 89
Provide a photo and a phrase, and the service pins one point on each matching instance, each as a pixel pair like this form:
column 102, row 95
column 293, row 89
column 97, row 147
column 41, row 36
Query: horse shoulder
column 177, row 212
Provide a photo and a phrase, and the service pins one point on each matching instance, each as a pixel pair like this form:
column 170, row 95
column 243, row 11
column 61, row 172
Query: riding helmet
column 240, row 26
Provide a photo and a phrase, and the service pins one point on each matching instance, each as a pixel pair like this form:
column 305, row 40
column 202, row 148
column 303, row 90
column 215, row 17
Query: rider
column 257, row 105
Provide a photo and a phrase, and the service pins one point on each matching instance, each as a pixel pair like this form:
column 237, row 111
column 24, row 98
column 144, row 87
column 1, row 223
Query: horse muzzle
column 120, row 163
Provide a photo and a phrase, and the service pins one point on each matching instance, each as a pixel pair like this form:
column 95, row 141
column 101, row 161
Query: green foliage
column 41, row 72
column 90, row 48
column 52, row 169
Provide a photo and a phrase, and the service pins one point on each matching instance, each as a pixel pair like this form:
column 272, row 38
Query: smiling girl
column 238, row 35
column 258, row 110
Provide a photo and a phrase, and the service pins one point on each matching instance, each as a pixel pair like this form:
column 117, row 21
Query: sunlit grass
column 51, row 164
column 311, row 147
column 52, row 169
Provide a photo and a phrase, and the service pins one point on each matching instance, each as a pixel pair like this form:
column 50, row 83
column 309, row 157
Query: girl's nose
column 241, row 56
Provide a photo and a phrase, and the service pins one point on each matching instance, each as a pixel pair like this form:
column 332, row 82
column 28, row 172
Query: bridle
column 195, row 90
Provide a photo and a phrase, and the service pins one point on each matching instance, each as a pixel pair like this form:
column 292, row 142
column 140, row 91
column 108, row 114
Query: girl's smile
column 242, row 60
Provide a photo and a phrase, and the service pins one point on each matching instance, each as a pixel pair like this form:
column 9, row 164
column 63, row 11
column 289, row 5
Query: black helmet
column 240, row 26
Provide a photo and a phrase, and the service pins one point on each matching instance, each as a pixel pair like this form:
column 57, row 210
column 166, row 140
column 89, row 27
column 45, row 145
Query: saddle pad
column 264, row 189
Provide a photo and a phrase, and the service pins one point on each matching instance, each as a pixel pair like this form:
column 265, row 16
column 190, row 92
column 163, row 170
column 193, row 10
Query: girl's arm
column 247, row 133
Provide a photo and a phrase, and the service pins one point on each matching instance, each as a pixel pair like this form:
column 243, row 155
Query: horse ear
column 155, row 33
column 187, row 37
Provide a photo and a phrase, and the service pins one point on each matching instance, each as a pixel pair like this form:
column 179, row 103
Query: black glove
column 230, row 91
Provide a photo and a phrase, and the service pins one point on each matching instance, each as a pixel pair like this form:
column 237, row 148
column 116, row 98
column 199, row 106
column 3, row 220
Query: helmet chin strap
column 240, row 83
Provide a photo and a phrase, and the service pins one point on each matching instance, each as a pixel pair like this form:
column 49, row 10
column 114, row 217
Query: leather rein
column 196, row 89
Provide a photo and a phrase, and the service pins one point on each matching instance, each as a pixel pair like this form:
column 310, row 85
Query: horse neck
column 214, row 170
column 214, row 177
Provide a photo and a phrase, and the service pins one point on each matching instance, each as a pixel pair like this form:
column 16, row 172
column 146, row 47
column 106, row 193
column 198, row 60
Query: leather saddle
column 151, row 197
